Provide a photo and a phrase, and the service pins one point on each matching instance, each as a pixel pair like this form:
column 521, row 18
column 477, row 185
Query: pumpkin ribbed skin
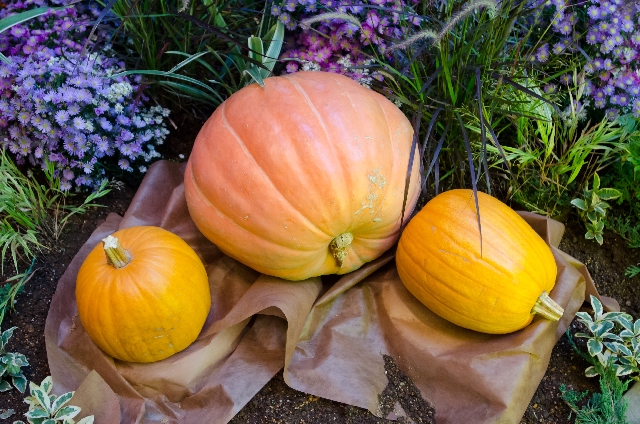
column 278, row 172
column 439, row 261
column 153, row 307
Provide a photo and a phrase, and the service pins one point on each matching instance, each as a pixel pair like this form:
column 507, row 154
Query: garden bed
column 278, row 403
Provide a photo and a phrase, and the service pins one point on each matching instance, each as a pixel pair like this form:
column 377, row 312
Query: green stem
column 117, row 256
column 547, row 307
column 338, row 246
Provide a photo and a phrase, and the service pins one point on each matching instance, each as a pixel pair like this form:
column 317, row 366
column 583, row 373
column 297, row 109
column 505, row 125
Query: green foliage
column 451, row 78
column 554, row 154
column 11, row 365
column 33, row 215
column 196, row 51
column 13, row 286
column 614, row 340
column 606, row 407
column 45, row 408
column 632, row 271
column 593, row 207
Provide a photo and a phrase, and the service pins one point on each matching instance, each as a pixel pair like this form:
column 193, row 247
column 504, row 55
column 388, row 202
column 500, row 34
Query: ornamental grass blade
column 483, row 133
column 414, row 144
column 275, row 46
column 185, row 62
column 99, row 19
column 430, row 80
column 497, row 143
column 433, row 165
column 223, row 36
column 523, row 89
column 18, row 18
column 474, row 184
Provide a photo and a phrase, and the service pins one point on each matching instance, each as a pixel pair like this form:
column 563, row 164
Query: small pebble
column 628, row 303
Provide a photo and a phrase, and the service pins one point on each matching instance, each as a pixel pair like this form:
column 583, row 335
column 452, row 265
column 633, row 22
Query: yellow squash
column 496, row 288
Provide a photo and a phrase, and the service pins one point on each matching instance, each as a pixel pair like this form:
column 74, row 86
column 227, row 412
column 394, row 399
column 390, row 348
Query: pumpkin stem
column 338, row 246
column 547, row 307
column 117, row 256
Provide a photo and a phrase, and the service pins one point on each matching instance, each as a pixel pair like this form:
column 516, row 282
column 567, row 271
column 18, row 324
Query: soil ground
column 276, row 402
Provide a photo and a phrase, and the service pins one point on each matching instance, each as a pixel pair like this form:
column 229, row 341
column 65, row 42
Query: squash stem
column 547, row 307
column 117, row 256
column 338, row 246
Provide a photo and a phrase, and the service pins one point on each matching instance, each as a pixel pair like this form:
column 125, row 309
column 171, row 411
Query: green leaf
column 580, row 204
column 255, row 74
column 591, row 372
column 60, row 401
column 274, row 47
column 41, row 396
column 4, row 386
column 86, row 420
column 596, row 182
column 18, row 18
column 623, row 370
column 47, row 384
column 593, row 217
column 67, row 412
column 594, row 346
column 584, row 317
column 599, row 239
column 599, row 329
column 6, row 335
column 37, row 412
column 609, row 193
column 256, row 49
column 6, row 414
column 20, row 382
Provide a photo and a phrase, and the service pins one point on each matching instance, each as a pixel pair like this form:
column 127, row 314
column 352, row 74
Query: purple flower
column 62, row 116
column 79, row 123
column 542, row 55
column 594, row 12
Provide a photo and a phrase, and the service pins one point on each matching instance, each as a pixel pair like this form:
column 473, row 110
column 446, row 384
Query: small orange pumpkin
column 495, row 290
column 143, row 294
column 302, row 177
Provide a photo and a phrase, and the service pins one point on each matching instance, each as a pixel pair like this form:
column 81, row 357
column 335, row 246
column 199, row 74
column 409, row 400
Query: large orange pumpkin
column 494, row 290
column 302, row 177
column 143, row 294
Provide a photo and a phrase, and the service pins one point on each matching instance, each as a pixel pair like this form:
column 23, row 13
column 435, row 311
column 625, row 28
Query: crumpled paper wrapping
column 329, row 338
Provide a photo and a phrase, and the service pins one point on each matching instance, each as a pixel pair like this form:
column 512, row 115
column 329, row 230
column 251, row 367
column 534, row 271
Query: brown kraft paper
column 329, row 338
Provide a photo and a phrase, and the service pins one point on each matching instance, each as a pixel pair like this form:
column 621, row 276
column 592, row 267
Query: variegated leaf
column 591, row 372
column 67, row 412
column 623, row 370
column 20, row 382
column 613, row 347
column 6, row 335
column 4, row 386
column 599, row 329
column 594, row 347
column 47, row 384
column 86, row 420
column 59, row 402
column 584, row 317
column 584, row 335
column 42, row 397
column 37, row 412
column 598, row 310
